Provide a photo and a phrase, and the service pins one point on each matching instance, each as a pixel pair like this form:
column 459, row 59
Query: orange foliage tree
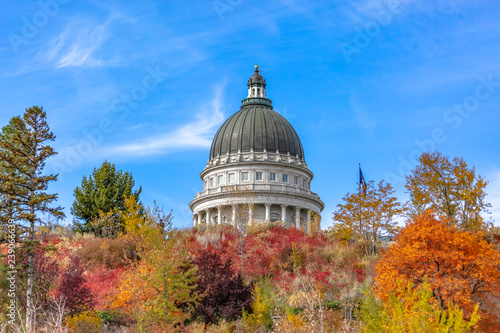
column 154, row 291
column 460, row 266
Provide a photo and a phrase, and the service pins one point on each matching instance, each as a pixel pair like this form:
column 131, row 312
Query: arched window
column 275, row 217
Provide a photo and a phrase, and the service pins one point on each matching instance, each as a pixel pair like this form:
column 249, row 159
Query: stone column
column 199, row 218
column 207, row 216
column 194, row 220
column 219, row 215
column 268, row 212
column 308, row 220
column 234, row 215
column 297, row 217
column 250, row 215
column 283, row 214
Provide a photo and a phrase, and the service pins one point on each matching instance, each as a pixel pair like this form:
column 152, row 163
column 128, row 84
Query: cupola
column 256, row 85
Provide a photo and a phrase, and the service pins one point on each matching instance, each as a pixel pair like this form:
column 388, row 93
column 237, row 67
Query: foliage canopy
column 449, row 188
column 102, row 195
column 368, row 216
column 460, row 266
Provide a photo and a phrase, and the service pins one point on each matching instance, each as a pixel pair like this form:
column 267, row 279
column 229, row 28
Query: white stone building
column 256, row 158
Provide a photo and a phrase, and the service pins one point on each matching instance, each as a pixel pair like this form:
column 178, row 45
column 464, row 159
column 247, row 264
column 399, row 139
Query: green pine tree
column 100, row 198
column 7, row 205
column 23, row 152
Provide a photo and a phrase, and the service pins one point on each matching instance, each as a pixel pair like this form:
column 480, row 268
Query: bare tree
column 239, row 211
column 54, row 317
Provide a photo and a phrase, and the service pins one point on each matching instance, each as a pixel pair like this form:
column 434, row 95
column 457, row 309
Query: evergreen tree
column 101, row 196
column 23, row 152
column 7, row 206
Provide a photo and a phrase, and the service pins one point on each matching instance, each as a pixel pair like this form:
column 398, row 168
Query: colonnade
column 230, row 213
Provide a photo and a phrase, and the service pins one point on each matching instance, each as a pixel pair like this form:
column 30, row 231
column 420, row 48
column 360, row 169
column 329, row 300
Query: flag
column 362, row 182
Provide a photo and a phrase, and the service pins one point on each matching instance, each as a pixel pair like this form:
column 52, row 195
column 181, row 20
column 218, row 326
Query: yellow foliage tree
column 261, row 306
column 368, row 216
column 414, row 310
column 449, row 188
column 156, row 291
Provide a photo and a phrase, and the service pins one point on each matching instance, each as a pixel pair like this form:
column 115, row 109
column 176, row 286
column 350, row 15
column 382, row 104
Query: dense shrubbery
column 107, row 252
column 158, row 279
column 223, row 294
column 73, row 289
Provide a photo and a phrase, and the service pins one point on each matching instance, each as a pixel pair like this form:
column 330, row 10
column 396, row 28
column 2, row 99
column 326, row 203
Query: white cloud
column 77, row 45
column 196, row 134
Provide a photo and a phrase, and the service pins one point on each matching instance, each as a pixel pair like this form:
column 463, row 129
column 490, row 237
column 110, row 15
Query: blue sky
column 146, row 84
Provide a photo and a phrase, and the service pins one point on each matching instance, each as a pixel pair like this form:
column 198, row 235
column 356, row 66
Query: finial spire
column 257, row 85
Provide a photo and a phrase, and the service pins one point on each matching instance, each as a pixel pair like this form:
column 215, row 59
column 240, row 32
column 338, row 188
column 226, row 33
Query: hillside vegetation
column 152, row 278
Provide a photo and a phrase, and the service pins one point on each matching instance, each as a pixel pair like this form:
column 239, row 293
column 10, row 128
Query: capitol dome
column 256, row 169
column 258, row 128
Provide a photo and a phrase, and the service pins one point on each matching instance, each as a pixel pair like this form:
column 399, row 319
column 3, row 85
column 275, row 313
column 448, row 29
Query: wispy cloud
column 77, row 45
column 196, row 134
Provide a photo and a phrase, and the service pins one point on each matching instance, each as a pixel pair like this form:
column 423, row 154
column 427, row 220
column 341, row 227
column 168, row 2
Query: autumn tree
column 460, row 266
column 73, row 288
column 155, row 290
column 369, row 216
column 449, row 188
column 224, row 295
column 100, row 198
column 23, row 153
column 413, row 311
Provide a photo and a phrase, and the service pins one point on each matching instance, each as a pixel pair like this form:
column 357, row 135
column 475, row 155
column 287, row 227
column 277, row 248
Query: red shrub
column 73, row 288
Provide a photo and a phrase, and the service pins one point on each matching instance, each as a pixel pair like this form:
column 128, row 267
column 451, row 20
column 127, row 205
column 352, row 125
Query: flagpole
column 359, row 192
column 359, row 187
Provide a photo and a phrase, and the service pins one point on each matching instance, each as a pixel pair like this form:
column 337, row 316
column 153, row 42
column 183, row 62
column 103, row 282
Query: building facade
column 256, row 166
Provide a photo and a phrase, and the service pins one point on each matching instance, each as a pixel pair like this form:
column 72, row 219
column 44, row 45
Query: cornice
column 260, row 158
column 227, row 194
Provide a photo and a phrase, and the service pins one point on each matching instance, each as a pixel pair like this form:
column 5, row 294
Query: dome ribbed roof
column 256, row 127
column 256, row 77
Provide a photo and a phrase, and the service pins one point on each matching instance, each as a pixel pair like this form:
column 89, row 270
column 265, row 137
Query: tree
column 155, row 290
column 239, row 211
column 24, row 152
column 104, row 191
column 369, row 216
column 450, row 188
column 413, row 311
column 8, row 204
column 223, row 293
column 73, row 288
column 460, row 266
